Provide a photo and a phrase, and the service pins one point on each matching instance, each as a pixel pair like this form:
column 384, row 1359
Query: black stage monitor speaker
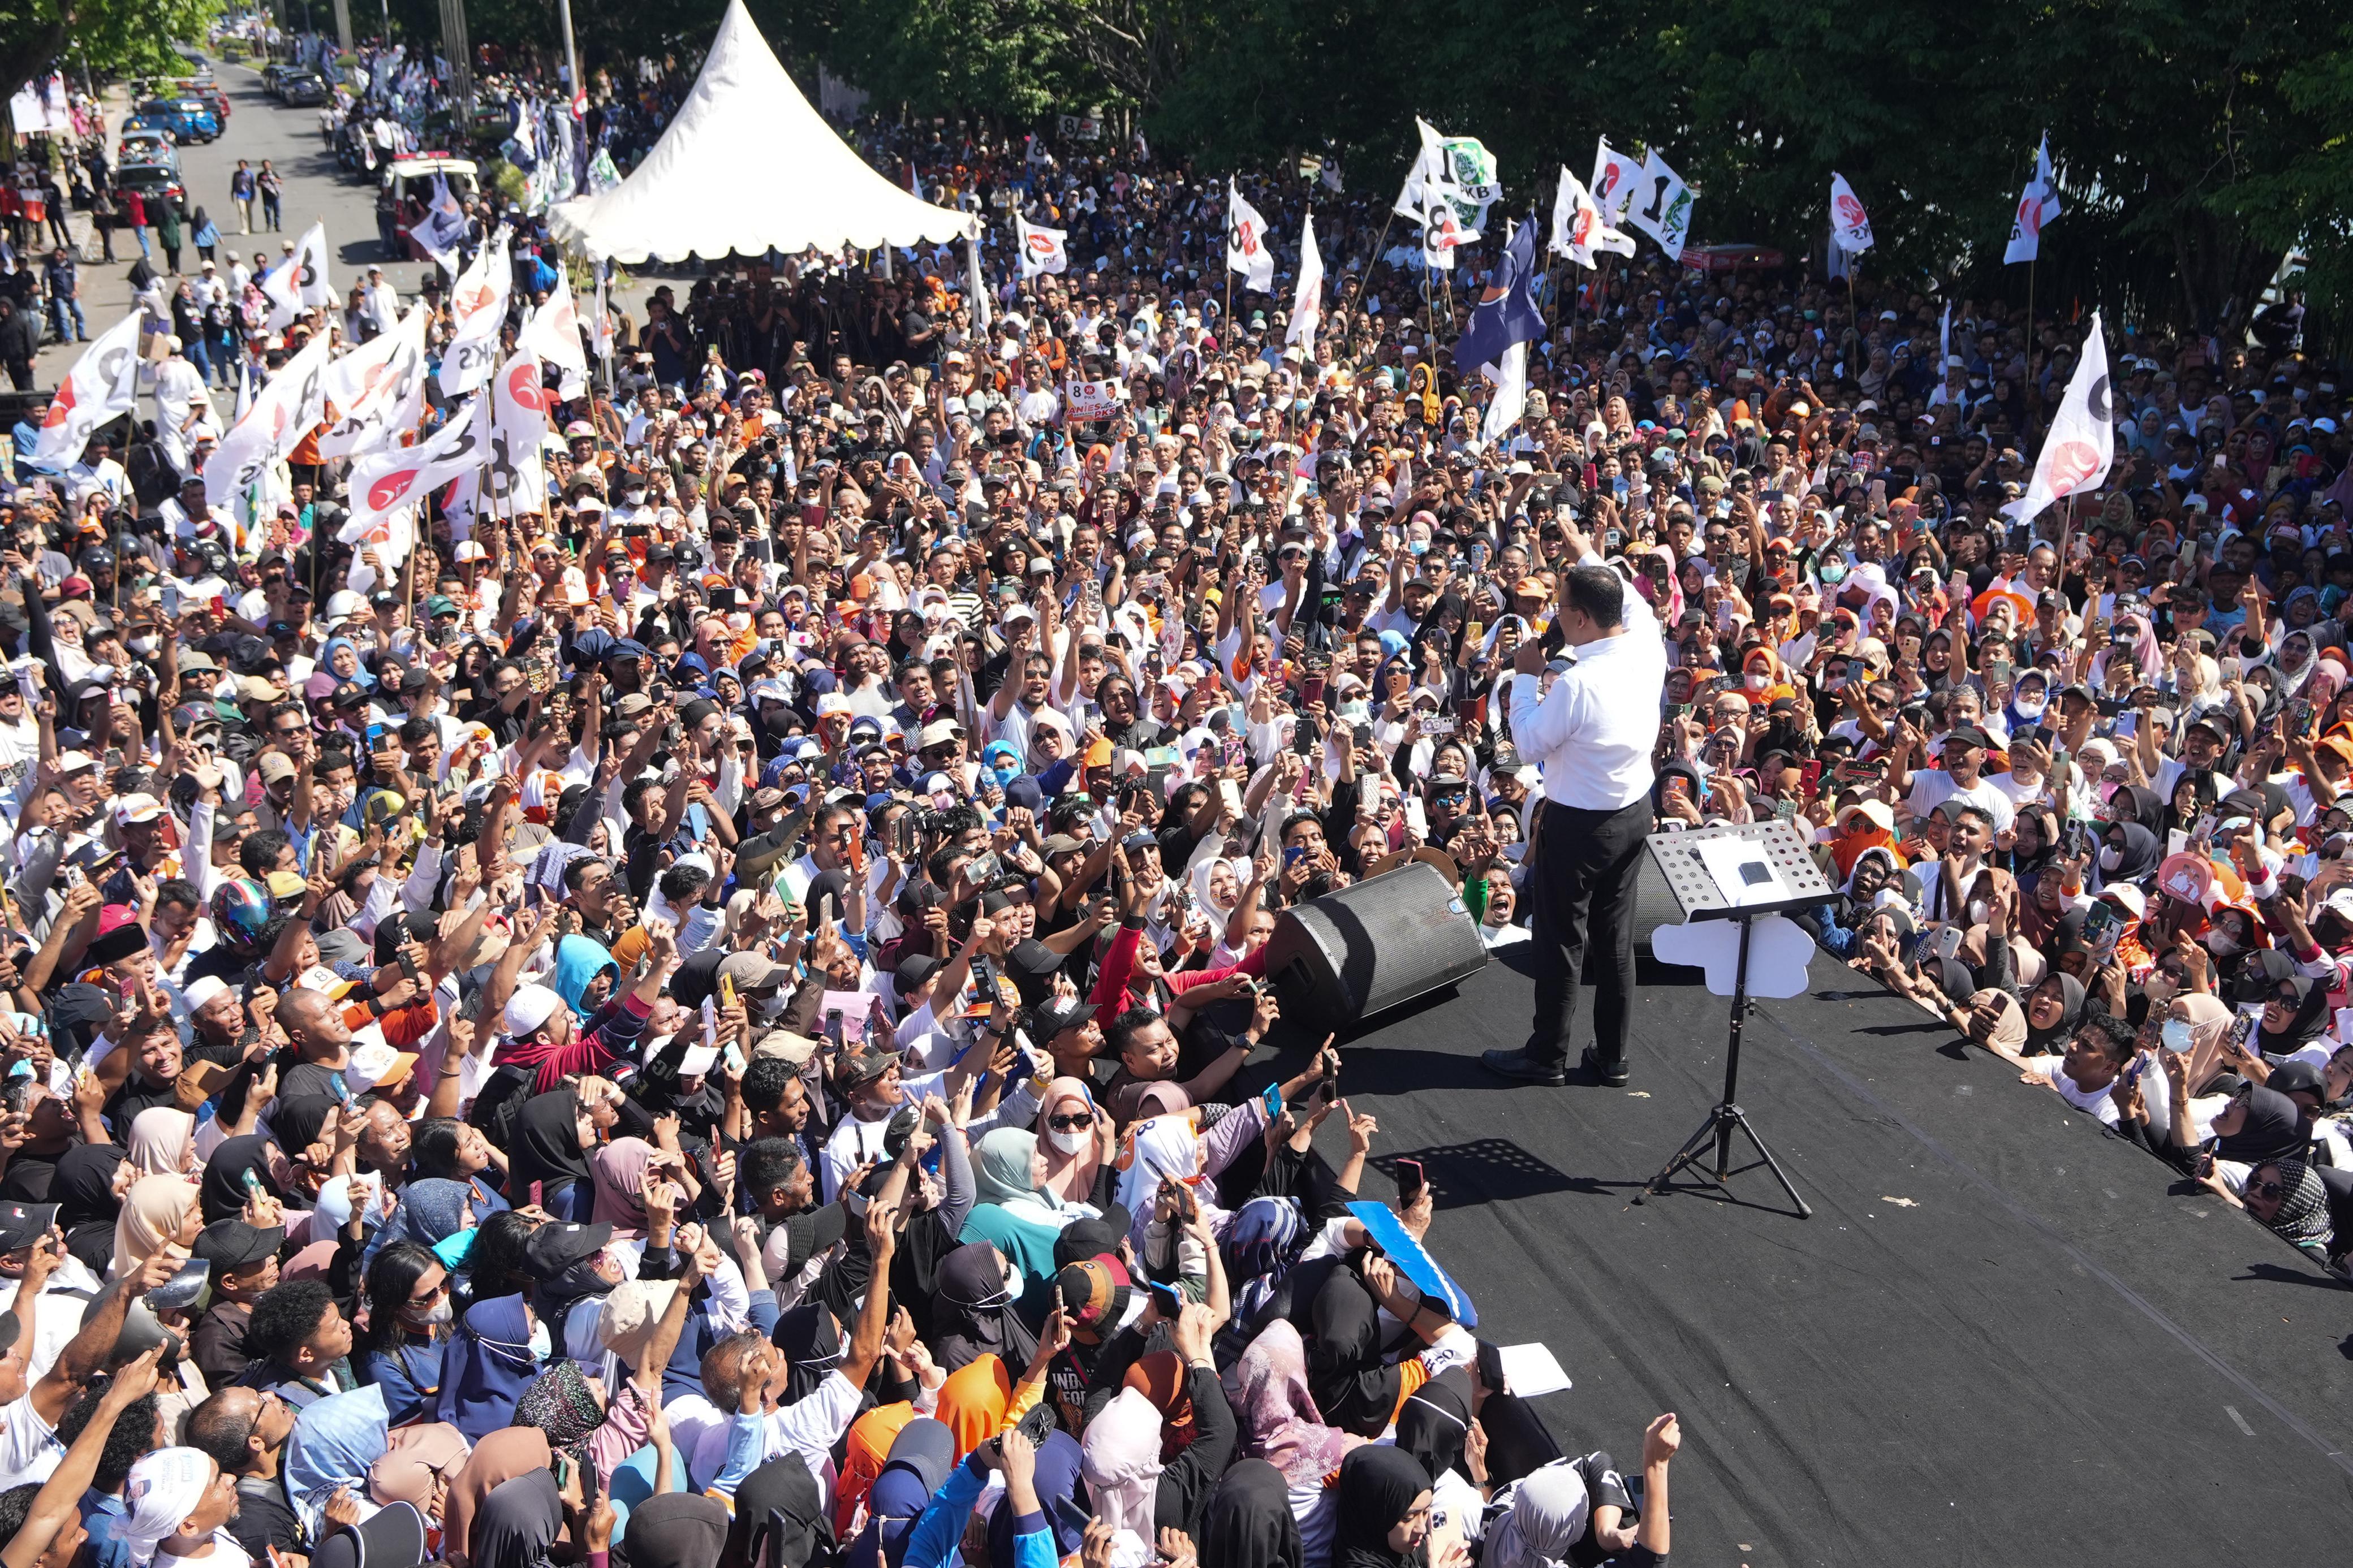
column 1342, row 958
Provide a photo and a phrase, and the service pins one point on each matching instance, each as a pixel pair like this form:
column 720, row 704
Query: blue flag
column 1506, row 312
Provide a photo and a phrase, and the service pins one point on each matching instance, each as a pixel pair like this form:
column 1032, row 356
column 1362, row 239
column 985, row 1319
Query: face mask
column 434, row 1316
column 1756, row 682
column 542, row 1346
column 1068, row 1142
column 634, row 498
column 2111, row 858
column 145, row 647
column 1977, row 911
column 2175, row 1035
column 2029, row 707
column 768, row 1009
column 1012, row 1278
column 2223, row 945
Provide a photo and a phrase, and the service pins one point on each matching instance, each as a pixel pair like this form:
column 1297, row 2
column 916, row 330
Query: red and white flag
column 1041, row 248
column 386, row 486
column 1615, row 176
column 1307, row 296
column 515, row 480
column 478, row 310
column 552, row 331
column 1578, row 230
column 2037, row 206
column 2082, row 445
column 282, row 413
column 1246, row 250
column 1850, row 224
column 103, row 385
column 377, row 390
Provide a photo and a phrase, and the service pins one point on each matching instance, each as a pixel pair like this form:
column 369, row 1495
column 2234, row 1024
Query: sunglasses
column 2268, row 1189
column 1070, row 1123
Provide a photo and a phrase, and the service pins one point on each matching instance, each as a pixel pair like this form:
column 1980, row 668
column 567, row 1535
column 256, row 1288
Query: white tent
column 747, row 166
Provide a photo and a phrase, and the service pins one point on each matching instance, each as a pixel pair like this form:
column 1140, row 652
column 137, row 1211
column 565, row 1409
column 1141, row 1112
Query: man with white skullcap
column 177, row 1499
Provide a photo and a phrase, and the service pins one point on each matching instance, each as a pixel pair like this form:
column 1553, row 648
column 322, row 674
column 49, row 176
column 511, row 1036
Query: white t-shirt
column 2154, row 1094
column 30, row 1448
column 1932, row 787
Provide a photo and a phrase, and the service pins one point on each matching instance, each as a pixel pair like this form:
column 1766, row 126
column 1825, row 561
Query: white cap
column 202, row 990
column 528, row 1009
column 343, row 603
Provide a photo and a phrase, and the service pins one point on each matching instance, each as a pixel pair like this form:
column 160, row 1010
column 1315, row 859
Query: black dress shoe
column 1520, row 1065
column 1612, row 1075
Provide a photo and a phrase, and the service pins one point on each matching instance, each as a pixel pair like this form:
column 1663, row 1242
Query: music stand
column 1698, row 893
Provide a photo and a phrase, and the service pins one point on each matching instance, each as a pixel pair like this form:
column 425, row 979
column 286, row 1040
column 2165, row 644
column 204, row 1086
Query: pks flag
column 551, row 332
column 1246, row 250
column 1614, row 178
column 1578, row 229
column 478, row 310
column 1849, row 222
column 377, row 390
column 386, row 485
column 1664, row 206
column 1041, row 248
column 102, row 385
column 2037, row 206
column 1307, row 295
column 298, row 283
column 2082, row 445
column 282, row 413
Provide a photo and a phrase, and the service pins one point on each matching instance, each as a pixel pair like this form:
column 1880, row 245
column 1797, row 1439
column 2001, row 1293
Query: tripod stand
column 1727, row 1115
column 1734, row 873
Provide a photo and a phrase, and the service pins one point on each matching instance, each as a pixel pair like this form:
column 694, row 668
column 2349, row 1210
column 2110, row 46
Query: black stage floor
column 2002, row 1338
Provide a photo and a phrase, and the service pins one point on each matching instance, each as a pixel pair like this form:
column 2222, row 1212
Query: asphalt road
column 258, row 128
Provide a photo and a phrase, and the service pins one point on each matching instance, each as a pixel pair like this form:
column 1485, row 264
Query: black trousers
column 1583, row 891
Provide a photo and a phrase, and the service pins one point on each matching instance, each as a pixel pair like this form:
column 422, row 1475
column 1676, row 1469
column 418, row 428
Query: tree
column 111, row 38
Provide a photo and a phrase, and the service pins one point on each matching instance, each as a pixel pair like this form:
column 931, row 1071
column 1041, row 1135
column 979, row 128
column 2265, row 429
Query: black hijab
column 222, row 1191
column 2311, row 1017
column 2273, row 1129
column 676, row 1529
column 298, row 1123
column 2139, row 849
column 2053, row 1040
column 1353, row 1386
column 1249, row 1523
column 779, row 1517
column 810, row 1337
column 83, row 1189
column 1378, row 1486
column 1435, row 1420
column 547, row 1141
column 973, row 1315
column 517, row 1521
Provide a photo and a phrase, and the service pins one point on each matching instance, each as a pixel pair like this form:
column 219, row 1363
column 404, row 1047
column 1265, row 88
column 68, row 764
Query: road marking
column 2238, row 1420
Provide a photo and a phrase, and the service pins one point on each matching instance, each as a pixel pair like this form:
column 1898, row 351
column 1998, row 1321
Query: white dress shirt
column 1593, row 733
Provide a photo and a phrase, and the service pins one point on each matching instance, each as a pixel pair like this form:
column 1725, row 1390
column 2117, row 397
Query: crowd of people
column 720, row 1019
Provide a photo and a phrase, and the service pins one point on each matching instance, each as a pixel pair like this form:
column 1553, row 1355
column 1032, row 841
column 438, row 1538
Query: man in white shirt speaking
column 1592, row 733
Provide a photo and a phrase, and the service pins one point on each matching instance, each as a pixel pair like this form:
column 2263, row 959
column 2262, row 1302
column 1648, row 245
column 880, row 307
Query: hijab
column 920, row 1457
column 83, row 1190
column 560, row 1403
column 1265, row 1240
column 864, row 1453
column 1280, row 1421
column 779, row 1516
column 677, row 1530
column 1548, row 1512
column 2302, row 1216
column 334, row 1442
column 810, row 1337
column 1060, row 1462
column 1250, row 1524
column 1435, row 1420
column 2140, row 849
column 547, row 1141
column 223, row 1183
column 1070, row 1178
column 972, row 1312
column 517, row 1522
column 162, row 1138
column 973, row 1402
column 1352, row 1385
column 1378, row 1485
column 619, row 1170
column 509, row 1452
column 152, row 1212
column 486, row 1366
column 2311, row 1017
column 2046, row 1042
column 2271, row 1129
column 1001, row 1176
column 431, row 1211
column 578, row 961
column 1119, row 1456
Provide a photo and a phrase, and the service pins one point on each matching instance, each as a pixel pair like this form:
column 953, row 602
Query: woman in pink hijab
column 1068, row 1136
column 623, row 1167
column 1281, row 1424
column 163, row 1142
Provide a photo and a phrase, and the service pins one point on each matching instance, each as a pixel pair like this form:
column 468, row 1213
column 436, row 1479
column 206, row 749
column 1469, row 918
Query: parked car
column 270, row 75
column 152, row 177
column 187, row 119
column 142, row 143
column 211, row 91
column 299, row 88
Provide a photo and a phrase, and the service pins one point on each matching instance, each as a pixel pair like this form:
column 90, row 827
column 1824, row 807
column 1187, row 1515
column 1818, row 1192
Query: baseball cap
column 21, row 1224
column 392, row 1537
column 232, row 1244
column 1968, row 735
column 1050, row 1018
column 750, row 971
column 553, row 1249
column 797, row 1049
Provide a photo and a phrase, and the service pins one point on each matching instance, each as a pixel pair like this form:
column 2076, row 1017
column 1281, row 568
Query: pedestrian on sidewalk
column 20, row 339
column 167, row 233
column 271, row 188
column 241, row 191
column 105, row 212
column 63, row 279
column 134, row 212
column 204, row 235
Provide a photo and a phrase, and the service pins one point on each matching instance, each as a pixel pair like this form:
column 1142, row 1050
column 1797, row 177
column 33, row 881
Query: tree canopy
column 113, row 37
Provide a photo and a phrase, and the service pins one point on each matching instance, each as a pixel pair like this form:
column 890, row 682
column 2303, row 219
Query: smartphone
column 2242, row 1027
column 2127, row 722
column 2299, row 717
column 1438, row 727
column 341, row 1090
column 833, row 1025
column 1809, row 778
column 1167, row 1298
column 2099, row 925
column 1411, row 1181
column 1311, row 689
column 562, row 1468
column 727, row 991
column 1304, row 737
column 1948, row 939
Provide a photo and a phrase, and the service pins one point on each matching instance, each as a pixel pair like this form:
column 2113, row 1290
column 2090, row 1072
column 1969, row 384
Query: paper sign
column 1531, row 1370
column 1741, row 871
column 1093, row 399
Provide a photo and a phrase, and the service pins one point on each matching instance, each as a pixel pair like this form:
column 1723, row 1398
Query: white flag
column 1425, row 173
column 2082, row 445
column 283, row 413
column 1663, row 206
column 1615, row 176
column 600, row 329
column 1511, row 399
column 388, row 484
column 2037, row 206
column 1945, row 339
column 1246, row 250
column 1849, row 222
column 1578, row 230
column 103, row 385
column 478, row 310
column 1041, row 248
column 298, row 283
column 516, row 481
column 551, row 332
column 976, row 282
column 1307, row 295
column 377, row 390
